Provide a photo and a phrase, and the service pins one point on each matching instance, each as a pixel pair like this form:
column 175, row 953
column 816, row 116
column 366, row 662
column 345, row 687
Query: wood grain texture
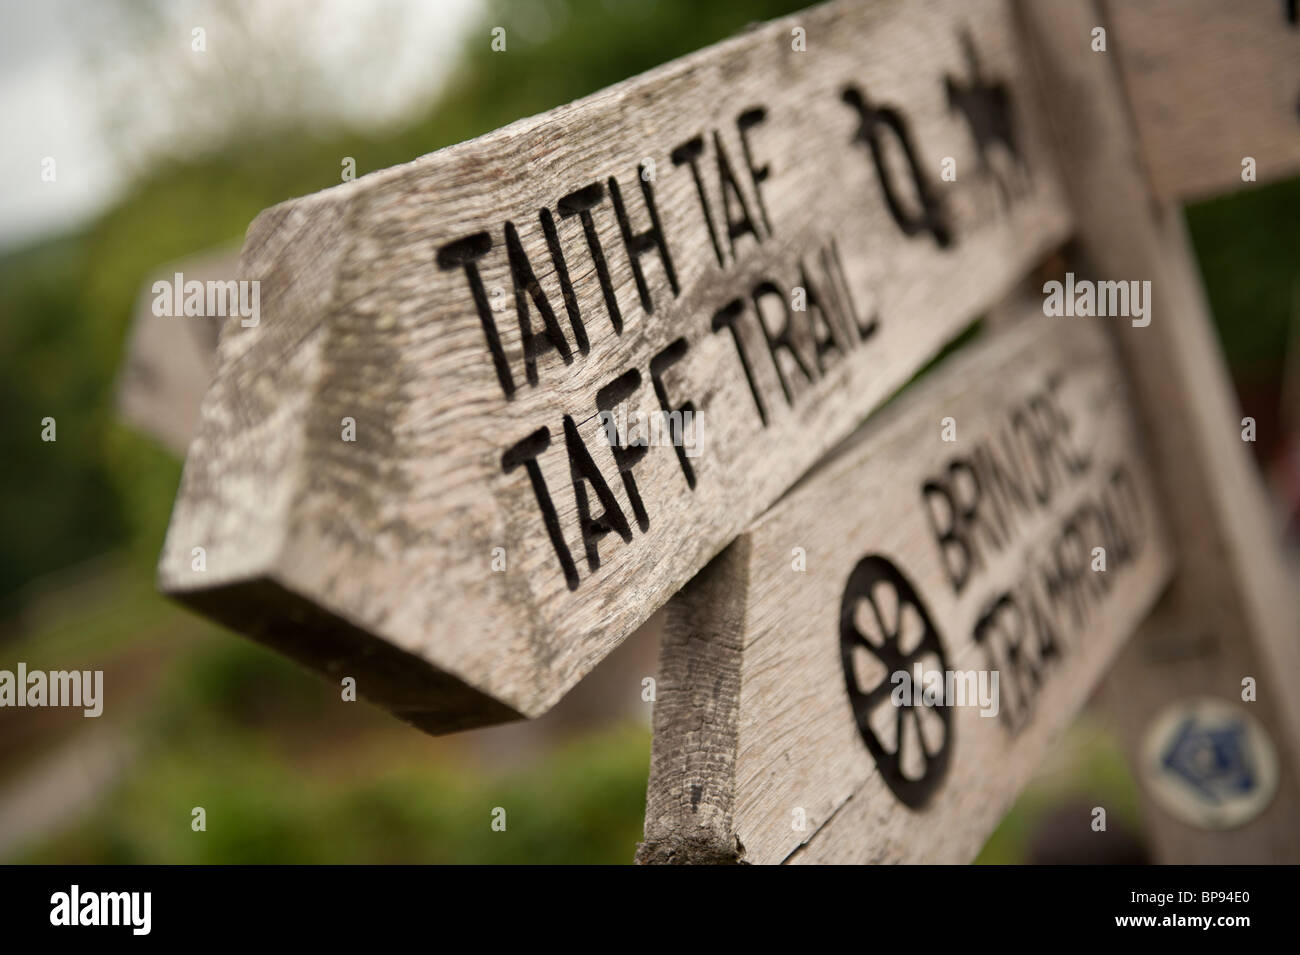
column 733, row 779
column 688, row 819
column 368, row 312
column 1210, row 83
column 1231, row 612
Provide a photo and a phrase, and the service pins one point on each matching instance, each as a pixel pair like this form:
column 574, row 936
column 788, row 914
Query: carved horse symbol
column 987, row 108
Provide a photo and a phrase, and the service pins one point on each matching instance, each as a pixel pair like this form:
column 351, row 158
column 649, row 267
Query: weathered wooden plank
column 775, row 702
column 1210, row 84
column 400, row 301
column 170, row 359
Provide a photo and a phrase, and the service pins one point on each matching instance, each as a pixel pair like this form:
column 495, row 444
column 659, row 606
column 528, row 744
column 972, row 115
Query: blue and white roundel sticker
column 1210, row 763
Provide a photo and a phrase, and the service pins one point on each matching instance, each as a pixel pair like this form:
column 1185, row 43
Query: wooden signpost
column 503, row 402
column 752, row 247
column 1005, row 565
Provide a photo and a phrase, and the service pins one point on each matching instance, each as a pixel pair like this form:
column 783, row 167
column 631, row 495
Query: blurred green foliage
column 584, row 804
column 1088, row 769
column 1248, row 247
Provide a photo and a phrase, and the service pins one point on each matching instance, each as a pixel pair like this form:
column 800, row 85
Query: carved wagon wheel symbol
column 865, row 584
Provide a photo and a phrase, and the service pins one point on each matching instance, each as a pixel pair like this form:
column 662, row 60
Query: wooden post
column 1230, row 614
